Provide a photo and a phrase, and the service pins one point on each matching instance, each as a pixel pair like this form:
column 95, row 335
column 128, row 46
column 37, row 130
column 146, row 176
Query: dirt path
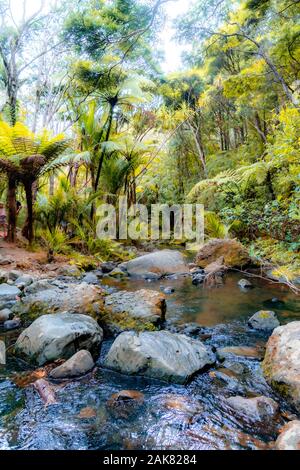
column 24, row 260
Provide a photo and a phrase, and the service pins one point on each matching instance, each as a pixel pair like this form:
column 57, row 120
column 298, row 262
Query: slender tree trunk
column 29, row 201
column 12, row 210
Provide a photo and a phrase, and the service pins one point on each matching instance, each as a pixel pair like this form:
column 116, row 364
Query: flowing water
column 174, row 417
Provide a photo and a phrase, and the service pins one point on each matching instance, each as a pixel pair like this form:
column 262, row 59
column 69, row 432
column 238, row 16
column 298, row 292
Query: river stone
column 5, row 315
column 145, row 305
column 90, row 278
column 37, row 286
column 281, row 365
column 56, row 336
column 117, row 272
column 245, row 284
column 161, row 263
column 79, row 364
column 247, row 352
column 8, row 293
column 161, row 355
column 2, row 353
column 233, row 252
column 264, row 320
column 69, row 271
column 107, row 267
column 256, row 409
column 75, row 298
column 289, row 438
column 14, row 275
column 23, row 281
column 13, row 324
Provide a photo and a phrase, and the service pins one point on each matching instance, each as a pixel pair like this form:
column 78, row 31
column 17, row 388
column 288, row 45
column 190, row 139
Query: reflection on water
column 170, row 416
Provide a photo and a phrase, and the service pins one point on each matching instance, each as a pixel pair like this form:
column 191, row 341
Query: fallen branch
column 287, row 282
column 45, row 391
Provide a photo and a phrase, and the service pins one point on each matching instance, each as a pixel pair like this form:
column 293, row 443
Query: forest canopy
column 88, row 114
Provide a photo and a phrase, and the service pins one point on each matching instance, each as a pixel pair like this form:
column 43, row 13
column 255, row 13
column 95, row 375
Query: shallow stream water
column 174, row 417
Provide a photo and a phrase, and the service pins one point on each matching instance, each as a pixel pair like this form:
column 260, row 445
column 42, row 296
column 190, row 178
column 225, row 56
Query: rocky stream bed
column 148, row 355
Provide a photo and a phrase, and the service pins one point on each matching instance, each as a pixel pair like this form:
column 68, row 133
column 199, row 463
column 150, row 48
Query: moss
column 264, row 314
column 29, row 313
column 124, row 321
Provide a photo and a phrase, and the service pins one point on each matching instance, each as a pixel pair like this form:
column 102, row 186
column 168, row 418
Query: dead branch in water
column 45, row 391
column 287, row 282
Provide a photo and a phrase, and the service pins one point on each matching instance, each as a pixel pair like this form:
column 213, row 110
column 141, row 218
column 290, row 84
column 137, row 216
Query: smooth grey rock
column 143, row 304
column 90, row 278
column 5, row 315
column 23, row 281
column 60, row 335
column 161, row 355
column 37, row 286
column 255, row 409
column 161, row 263
column 13, row 324
column 2, row 353
column 14, row 275
column 4, row 260
column 289, row 438
column 106, row 268
column 79, row 364
column 245, row 284
column 4, row 276
column 281, row 365
column 264, row 320
column 8, row 293
column 75, row 298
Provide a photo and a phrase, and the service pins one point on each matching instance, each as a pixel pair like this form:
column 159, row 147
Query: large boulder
column 289, row 438
column 161, row 263
column 161, row 355
column 264, row 320
column 61, row 335
column 74, row 298
column 281, row 365
column 138, row 310
column 233, row 252
column 255, row 409
column 79, row 364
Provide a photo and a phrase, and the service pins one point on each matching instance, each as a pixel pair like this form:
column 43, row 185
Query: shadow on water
column 174, row 417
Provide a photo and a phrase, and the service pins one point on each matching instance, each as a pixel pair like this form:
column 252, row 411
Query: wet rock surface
column 162, row 355
column 281, row 364
column 79, row 364
column 160, row 263
column 264, row 320
column 74, row 298
column 289, row 438
column 51, row 337
column 144, row 304
column 233, row 252
column 257, row 408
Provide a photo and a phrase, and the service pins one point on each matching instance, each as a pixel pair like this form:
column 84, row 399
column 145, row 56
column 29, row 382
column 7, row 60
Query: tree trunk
column 12, row 210
column 29, row 201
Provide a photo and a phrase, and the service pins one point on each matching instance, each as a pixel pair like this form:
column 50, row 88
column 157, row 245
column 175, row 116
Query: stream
column 170, row 417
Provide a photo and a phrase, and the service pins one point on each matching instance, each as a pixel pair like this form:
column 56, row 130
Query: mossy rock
column 115, row 323
column 232, row 251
